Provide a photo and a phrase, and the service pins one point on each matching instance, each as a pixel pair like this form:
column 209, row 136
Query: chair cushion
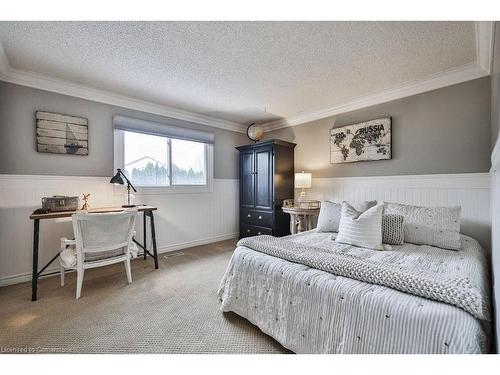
column 100, row 255
column 68, row 255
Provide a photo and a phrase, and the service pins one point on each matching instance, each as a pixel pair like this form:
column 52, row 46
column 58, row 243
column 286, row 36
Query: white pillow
column 329, row 214
column 329, row 217
column 434, row 226
column 363, row 229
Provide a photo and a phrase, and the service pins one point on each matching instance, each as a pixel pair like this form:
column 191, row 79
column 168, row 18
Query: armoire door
column 264, row 177
column 247, row 186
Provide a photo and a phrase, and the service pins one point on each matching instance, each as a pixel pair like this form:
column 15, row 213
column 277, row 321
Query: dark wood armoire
column 266, row 179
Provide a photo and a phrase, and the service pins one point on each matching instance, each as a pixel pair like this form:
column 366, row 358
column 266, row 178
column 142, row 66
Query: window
column 151, row 159
column 146, row 159
column 188, row 163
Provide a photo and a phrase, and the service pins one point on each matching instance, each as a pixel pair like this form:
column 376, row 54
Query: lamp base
column 128, row 205
column 302, row 196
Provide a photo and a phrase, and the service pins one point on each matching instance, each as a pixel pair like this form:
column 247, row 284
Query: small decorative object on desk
column 59, row 203
column 301, row 213
column 85, row 205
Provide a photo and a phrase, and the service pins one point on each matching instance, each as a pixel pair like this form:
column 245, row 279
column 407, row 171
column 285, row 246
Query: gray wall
column 442, row 131
column 18, row 153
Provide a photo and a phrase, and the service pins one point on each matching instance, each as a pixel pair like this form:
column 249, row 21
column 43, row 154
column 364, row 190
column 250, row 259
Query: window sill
column 179, row 189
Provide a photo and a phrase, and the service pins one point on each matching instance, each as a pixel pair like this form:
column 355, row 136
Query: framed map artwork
column 370, row 140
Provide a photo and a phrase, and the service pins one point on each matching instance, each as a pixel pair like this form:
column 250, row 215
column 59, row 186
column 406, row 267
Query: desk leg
column 153, row 238
column 34, row 277
column 144, row 233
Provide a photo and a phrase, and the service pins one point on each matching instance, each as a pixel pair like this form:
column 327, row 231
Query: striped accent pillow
column 329, row 214
column 363, row 229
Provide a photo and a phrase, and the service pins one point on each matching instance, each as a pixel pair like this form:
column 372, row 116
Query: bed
column 312, row 310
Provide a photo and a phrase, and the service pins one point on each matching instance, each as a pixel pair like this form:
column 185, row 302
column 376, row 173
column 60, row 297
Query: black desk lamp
column 118, row 180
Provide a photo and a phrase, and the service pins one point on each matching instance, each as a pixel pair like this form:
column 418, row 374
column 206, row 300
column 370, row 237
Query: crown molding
column 484, row 44
column 451, row 77
column 42, row 82
column 4, row 63
column 482, row 67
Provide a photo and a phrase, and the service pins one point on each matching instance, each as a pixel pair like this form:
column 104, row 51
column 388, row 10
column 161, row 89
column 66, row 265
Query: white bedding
column 312, row 311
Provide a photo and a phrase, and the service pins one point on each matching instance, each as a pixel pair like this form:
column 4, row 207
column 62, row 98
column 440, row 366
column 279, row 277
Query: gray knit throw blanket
column 447, row 288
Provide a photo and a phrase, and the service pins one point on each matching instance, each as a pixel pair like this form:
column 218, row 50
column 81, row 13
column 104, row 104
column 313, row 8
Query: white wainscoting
column 471, row 191
column 185, row 220
column 495, row 238
column 182, row 220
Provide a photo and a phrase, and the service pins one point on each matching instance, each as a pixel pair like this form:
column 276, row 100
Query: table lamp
column 118, row 180
column 303, row 181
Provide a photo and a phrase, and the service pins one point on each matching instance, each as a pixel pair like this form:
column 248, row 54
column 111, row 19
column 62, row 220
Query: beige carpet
column 171, row 310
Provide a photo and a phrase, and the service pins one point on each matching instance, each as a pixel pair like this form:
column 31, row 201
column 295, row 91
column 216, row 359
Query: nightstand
column 302, row 214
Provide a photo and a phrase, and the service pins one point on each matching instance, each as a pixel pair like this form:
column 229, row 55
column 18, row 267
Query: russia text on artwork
column 61, row 134
column 370, row 140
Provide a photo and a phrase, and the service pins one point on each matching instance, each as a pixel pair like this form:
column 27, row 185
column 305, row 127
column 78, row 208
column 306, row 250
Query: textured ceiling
column 233, row 70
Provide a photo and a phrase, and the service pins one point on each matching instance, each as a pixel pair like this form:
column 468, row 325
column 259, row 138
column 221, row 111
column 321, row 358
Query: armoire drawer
column 253, row 230
column 260, row 218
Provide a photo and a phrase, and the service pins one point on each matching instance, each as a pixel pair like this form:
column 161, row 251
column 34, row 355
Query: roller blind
column 162, row 129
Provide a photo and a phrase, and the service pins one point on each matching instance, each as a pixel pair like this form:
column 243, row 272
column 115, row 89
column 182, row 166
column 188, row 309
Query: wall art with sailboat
column 61, row 134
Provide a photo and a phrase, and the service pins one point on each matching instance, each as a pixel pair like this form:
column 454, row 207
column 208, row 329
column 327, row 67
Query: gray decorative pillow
column 329, row 217
column 363, row 206
column 329, row 214
column 392, row 229
column 434, row 226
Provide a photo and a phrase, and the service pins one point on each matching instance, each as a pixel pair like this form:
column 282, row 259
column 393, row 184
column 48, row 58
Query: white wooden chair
column 100, row 240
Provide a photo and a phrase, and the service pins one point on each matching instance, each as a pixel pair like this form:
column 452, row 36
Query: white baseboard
column 24, row 277
column 204, row 241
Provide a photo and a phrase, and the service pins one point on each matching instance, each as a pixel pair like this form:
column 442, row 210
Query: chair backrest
column 103, row 232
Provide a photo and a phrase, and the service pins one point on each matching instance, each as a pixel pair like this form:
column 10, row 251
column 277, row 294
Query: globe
column 255, row 132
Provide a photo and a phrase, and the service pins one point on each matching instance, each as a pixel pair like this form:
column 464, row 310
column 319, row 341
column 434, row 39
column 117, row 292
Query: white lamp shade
column 303, row 180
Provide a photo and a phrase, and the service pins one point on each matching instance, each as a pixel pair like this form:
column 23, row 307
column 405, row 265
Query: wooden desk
column 146, row 210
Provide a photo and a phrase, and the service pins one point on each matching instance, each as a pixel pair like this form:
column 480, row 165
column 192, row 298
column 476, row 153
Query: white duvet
column 312, row 311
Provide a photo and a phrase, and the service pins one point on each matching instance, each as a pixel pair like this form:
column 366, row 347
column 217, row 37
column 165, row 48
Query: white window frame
column 119, row 162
